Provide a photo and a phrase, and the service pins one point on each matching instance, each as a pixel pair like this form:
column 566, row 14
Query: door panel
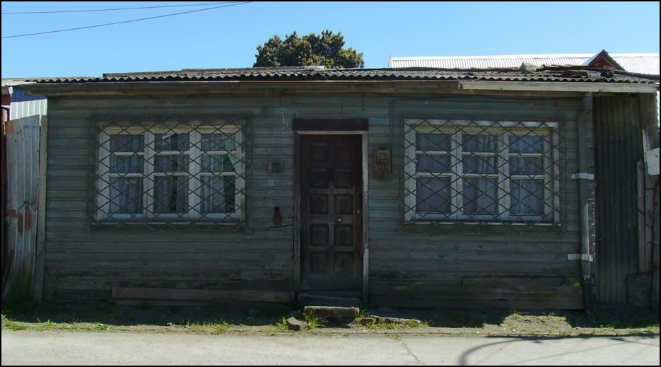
column 331, row 219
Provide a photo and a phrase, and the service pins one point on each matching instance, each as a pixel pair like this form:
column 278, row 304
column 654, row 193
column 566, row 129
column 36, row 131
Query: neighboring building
column 412, row 188
column 639, row 63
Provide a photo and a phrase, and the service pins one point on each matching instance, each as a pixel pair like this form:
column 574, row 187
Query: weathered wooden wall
column 429, row 268
column 625, row 202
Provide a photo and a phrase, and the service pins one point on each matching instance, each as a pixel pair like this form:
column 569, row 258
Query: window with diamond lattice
column 181, row 173
column 481, row 171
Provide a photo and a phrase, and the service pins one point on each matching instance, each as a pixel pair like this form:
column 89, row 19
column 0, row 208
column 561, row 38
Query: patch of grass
column 221, row 328
column 313, row 321
column 101, row 327
column 281, row 324
column 15, row 326
column 477, row 320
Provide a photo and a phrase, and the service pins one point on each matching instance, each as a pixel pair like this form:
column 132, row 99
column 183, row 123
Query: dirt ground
column 222, row 320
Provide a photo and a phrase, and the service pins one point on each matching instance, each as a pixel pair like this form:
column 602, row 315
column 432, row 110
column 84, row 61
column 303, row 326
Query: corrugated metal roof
column 307, row 74
column 638, row 63
column 645, row 63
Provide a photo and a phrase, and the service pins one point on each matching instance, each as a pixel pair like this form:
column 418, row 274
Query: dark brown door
column 331, row 219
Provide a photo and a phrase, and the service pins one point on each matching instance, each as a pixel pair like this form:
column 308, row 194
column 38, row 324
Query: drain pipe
column 584, row 118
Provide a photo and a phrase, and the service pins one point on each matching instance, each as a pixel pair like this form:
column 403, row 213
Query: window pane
column 526, row 165
column 171, row 163
column 217, row 163
column 433, row 195
column 527, row 197
column 126, row 164
column 217, row 194
column 526, row 144
column 473, row 164
column 480, row 196
column 433, row 142
column 478, row 143
column 171, row 141
column 171, row 194
column 433, row 163
column 125, row 195
column 126, row 143
column 219, row 141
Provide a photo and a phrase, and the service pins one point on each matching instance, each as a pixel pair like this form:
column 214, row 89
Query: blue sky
column 228, row 37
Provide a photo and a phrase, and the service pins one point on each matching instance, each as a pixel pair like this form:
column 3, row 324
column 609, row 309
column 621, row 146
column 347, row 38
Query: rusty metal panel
column 618, row 148
column 22, row 204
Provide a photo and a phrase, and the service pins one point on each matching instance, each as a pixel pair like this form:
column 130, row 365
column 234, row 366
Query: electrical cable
column 127, row 21
column 114, row 9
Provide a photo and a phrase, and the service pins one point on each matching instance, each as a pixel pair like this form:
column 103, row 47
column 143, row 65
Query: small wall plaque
column 275, row 166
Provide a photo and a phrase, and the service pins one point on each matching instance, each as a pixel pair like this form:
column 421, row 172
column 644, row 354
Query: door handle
column 338, row 219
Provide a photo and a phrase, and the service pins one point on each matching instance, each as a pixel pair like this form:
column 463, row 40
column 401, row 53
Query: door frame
column 297, row 207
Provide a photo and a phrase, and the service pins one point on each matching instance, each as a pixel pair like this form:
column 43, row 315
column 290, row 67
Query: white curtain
column 125, row 195
column 170, row 194
column 217, row 194
column 527, row 197
column 480, row 195
column 433, row 195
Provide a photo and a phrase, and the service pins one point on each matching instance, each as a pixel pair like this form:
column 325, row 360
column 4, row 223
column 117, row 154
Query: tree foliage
column 326, row 49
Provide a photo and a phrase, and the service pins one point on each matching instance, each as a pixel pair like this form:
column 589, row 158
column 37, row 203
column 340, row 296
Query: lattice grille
column 170, row 173
column 482, row 172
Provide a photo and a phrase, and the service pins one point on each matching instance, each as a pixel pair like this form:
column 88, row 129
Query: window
column 171, row 173
column 481, row 171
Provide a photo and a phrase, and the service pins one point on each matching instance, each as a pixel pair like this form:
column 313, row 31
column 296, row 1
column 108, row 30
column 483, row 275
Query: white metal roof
column 643, row 63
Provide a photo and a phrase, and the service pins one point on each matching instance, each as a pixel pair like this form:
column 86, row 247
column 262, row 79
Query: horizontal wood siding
column 426, row 267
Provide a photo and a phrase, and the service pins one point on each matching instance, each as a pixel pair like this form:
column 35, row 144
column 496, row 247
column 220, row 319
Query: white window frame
column 501, row 129
column 193, row 173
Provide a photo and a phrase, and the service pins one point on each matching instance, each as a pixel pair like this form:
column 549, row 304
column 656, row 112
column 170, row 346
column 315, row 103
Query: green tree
column 326, row 49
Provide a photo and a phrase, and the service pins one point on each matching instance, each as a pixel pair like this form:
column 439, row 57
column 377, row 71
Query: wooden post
column 40, row 251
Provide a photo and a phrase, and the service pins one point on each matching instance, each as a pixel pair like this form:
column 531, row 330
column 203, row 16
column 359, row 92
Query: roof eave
column 47, row 89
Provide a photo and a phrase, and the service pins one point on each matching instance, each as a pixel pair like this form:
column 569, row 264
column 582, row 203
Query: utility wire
column 115, row 9
column 127, row 21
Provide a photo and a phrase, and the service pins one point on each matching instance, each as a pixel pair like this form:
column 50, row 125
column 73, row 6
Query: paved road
column 108, row 348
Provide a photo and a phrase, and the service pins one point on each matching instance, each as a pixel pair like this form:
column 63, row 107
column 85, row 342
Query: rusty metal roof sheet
column 321, row 74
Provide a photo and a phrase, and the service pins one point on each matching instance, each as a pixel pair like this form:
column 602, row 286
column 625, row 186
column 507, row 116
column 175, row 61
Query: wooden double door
column 331, row 213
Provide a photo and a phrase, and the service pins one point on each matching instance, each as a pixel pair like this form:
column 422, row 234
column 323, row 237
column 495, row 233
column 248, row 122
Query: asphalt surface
column 110, row 348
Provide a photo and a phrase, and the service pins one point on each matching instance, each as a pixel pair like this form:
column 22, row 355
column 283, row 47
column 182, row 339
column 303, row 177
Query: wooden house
column 401, row 187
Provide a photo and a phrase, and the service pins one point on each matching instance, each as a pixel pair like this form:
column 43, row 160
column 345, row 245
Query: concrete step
column 331, row 312
column 312, row 300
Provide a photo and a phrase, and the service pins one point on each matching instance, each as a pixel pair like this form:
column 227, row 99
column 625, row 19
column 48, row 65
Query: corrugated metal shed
column 24, row 105
column 646, row 63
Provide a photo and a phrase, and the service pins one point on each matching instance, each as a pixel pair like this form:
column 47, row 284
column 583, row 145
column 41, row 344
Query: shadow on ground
column 495, row 321
column 143, row 314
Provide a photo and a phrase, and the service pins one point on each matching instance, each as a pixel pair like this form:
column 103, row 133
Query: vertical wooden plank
column 40, row 260
column 365, row 208
column 642, row 255
column 12, row 207
column 297, row 212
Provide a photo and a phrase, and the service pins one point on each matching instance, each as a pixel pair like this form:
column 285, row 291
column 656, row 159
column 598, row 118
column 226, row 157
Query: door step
column 305, row 299
column 331, row 312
